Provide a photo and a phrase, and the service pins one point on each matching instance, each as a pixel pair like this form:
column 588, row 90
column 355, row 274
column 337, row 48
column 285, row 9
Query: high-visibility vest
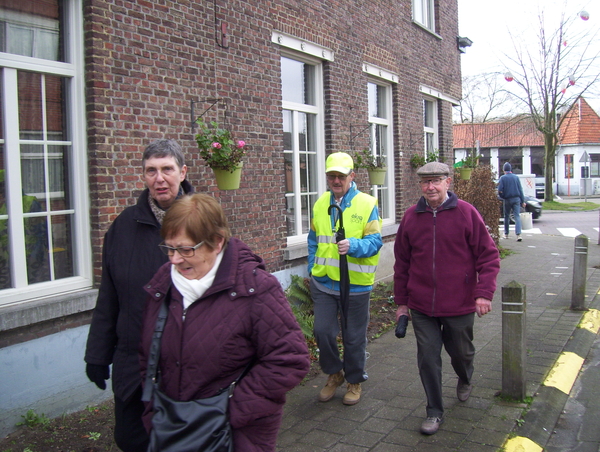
column 355, row 219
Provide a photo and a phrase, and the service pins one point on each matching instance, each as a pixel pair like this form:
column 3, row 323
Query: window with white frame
column 430, row 125
column 424, row 13
column 381, row 139
column 44, row 229
column 304, row 147
column 594, row 165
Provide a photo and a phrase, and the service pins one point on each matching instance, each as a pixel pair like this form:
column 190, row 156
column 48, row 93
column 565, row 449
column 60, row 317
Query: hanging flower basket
column 228, row 180
column 377, row 176
column 221, row 153
column 465, row 173
column 374, row 164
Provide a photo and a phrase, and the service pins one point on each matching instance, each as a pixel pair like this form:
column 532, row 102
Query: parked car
column 532, row 205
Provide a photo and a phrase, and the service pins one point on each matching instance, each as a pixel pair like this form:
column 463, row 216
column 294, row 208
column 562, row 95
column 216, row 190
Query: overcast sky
column 489, row 24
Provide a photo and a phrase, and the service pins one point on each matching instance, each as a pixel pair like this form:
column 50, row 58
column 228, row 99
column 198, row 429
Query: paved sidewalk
column 392, row 407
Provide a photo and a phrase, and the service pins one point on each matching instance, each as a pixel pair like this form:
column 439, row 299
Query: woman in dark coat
column 225, row 310
column 130, row 257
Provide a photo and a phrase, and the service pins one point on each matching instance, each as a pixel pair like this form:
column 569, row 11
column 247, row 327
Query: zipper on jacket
column 433, row 260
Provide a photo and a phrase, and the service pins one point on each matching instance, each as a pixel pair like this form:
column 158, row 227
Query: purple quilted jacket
column 244, row 314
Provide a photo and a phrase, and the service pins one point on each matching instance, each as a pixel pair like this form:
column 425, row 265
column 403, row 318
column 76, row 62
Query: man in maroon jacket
column 445, row 272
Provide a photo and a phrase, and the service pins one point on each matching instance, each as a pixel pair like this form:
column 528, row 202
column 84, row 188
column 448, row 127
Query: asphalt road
column 568, row 224
column 576, row 429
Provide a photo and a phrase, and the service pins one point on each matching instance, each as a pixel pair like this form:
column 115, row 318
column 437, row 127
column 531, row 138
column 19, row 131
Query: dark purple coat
column 444, row 259
column 244, row 314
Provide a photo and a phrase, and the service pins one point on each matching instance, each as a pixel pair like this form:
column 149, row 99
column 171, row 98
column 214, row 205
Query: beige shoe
column 352, row 394
column 332, row 384
column 431, row 425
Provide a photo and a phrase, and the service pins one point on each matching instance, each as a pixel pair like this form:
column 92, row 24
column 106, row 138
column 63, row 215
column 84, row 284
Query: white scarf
column 192, row 289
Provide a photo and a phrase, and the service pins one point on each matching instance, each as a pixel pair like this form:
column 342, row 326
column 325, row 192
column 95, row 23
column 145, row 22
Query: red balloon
column 584, row 15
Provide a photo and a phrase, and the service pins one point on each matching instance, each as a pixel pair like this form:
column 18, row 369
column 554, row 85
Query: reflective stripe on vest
column 351, row 266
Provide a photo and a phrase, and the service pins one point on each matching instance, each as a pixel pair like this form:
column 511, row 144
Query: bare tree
column 548, row 80
column 484, row 99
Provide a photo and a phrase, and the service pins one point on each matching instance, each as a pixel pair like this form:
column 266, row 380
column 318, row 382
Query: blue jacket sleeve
column 501, row 188
column 312, row 248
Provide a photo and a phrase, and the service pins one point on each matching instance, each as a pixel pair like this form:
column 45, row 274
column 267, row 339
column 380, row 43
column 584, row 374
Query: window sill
column 431, row 32
column 43, row 309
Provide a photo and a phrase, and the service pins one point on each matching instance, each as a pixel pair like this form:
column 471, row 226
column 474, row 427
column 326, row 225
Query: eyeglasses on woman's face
column 436, row 182
column 184, row 251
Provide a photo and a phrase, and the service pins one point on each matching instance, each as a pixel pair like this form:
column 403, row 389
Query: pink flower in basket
column 218, row 148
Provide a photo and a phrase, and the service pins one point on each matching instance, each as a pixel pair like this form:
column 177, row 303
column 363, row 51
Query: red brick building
column 88, row 84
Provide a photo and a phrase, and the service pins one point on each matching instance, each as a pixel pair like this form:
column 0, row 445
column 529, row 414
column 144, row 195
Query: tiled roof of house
column 515, row 133
column 581, row 125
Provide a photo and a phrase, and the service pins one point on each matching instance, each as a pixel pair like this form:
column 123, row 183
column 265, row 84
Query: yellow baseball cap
column 339, row 162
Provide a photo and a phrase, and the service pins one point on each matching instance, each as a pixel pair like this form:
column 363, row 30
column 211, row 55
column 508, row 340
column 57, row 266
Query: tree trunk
column 549, row 157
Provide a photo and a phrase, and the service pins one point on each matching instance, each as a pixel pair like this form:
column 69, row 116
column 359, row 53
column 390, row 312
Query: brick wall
column 147, row 61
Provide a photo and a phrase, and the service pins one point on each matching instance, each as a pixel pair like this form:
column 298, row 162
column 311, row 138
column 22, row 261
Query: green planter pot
column 227, row 180
column 377, row 176
column 465, row 173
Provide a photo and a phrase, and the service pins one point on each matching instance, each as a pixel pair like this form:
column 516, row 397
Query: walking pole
column 344, row 277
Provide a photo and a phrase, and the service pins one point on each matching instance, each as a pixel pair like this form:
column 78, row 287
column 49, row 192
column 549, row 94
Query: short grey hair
column 164, row 148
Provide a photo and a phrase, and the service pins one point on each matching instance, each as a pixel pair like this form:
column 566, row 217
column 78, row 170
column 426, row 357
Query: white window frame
column 433, row 129
column 313, row 54
column 384, row 82
column 424, row 13
column 73, row 69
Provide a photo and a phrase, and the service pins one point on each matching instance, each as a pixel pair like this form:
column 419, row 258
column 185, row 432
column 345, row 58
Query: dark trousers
column 456, row 334
column 354, row 336
column 130, row 434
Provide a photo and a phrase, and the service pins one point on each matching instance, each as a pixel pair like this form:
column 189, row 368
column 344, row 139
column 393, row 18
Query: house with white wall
column 517, row 141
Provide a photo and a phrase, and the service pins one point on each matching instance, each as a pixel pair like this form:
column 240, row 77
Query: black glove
column 98, row 374
column 401, row 326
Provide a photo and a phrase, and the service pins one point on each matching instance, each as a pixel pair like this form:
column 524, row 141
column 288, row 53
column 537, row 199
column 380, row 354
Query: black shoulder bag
column 200, row 425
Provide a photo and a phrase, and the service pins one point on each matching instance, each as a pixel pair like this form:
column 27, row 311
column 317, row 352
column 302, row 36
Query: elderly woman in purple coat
column 225, row 310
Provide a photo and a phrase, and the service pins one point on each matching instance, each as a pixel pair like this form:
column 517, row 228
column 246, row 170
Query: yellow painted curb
column 565, row 371
column 521, row 444
column 591, row 321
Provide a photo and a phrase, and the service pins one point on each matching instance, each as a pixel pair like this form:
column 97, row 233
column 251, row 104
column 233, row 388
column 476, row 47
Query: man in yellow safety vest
column 360, row 248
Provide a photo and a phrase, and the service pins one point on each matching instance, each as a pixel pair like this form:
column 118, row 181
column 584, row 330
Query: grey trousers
column 327, row 328
column 456, row 334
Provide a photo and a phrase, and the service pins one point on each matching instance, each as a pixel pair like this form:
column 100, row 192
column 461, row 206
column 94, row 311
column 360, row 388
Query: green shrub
column 481, row 191
column 32, row 419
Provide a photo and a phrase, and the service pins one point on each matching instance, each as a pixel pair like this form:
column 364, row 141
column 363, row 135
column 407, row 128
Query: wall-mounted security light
column 463, row 43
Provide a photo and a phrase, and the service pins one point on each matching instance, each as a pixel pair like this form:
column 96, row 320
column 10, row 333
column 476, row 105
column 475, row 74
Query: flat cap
column 434, row 169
